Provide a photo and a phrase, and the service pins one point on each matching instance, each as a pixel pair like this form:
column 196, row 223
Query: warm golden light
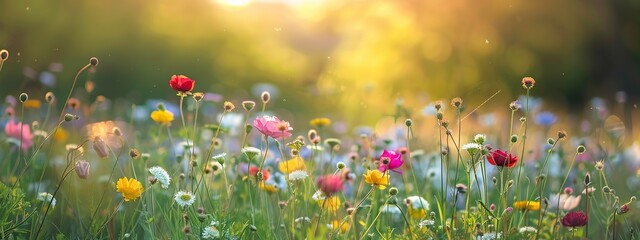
column 235, row 3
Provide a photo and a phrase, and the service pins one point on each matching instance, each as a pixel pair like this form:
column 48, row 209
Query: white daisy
column 46, row 198
column 298, row 175
column 318, row 196
column 219, row 157
column 210, row 232
column 216, row 167
column 527, row 229
column 426, row 223
column 480, row 138
column 184, row 199
column 417, row 202
column 162, row 176
column 472, row 146
column 388, row 208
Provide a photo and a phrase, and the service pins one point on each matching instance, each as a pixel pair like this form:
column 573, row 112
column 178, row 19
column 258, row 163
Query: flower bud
column 312, row 134
column 49, row 97
column 69, row 117
column 23, row 97
column 393, row 191
column 523, row 119
column 101, row 148
column 408, row 122
column 186, row 229
column 4, row 55
column 248, row 105
column 93, row 61
column 82, row 169
column 265, row 97
column 340, row 165
column 587, row 179
column 580, row 149
column 494, row 180
column 253, row 228
column 514, row 138
column 551, row 141
column 456, row 102
column 145, row 156
column 439, row 116
column 624, row 209
column 438, row 105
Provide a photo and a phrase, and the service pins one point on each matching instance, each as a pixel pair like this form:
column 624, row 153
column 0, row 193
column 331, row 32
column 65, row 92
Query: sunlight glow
column 235, row 3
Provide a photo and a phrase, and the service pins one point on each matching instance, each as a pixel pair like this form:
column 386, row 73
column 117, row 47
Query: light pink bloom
column 564, row 201
column 395, row 161
column 272, row 126
column 12, row 129
column 330, row 184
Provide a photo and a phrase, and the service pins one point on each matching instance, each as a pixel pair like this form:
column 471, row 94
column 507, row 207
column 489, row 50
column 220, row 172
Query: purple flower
column 545, row 119
column 574, row 219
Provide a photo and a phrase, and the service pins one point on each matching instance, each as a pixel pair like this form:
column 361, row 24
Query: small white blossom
column 184, row 199
column 162, row 176
column 298, row 175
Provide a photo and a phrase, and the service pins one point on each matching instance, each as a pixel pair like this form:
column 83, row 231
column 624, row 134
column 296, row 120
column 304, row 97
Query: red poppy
column 253, row 171
column 181, row 83
column 502, row 159
column 574, row 219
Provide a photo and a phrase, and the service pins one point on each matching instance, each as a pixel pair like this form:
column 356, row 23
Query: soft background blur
column 348, row 60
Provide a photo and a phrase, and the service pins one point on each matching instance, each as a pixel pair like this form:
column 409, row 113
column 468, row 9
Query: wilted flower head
column 272, row 126
column 394, row 161
column 528, row 82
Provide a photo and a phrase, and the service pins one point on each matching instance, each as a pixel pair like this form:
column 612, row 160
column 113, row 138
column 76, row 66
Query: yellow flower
column 291, row 165
column 417, row 213
column 130, row 188
column 162, row 117
column 527, row 205
column 267, row 187
column 332, row 204
column 61, row 135
column 343, row 228
column 377, row 179
column 320, row 122
column 33, row 103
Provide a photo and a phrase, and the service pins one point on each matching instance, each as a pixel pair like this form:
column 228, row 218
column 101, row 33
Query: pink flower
column 393, row 161
column 574, row 219
column 12, row 129
column 330, row 184
column 272, row 126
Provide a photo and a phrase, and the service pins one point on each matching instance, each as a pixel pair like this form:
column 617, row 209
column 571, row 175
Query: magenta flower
column 12, row 129
column 574, row 219
column 390, row 160
column 272, row 126
column 330, row 184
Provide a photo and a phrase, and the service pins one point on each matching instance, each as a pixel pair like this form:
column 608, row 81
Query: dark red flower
column 330, row 184
column 574, row 219
column 181, row 83
column 502, row 159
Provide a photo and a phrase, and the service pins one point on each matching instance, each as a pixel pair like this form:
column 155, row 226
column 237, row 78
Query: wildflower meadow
column 319, row 119
column 73, row 170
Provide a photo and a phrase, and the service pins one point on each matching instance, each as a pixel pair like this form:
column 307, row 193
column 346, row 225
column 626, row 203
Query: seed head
column 228, row 106
column 456, row 102
column 340, row 165
column 134, row 153
column 198, row 96
column 562, row 134
column 514, row 138
column 551, row 141
column 69, row 117
column 581, row 149
column 49, row 97
column 528, row 82
column 437, row 105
